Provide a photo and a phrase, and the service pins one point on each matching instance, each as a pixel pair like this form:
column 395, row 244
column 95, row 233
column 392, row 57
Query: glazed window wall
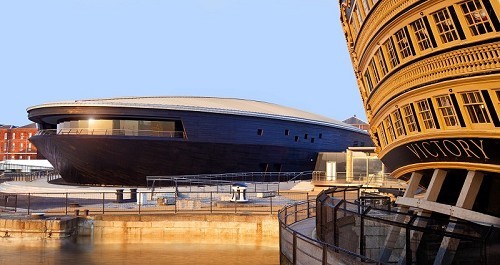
column 426, row 114
column 381, row 133
column 446, row 28
column 121, row 127
column 409, row 118
column 398, row 123
column 391, row 50
column 477, row 18
column 403, row 43
column 421, row 33
column 389, row 130
column 447, row 111
column 368, row 81
column 373, row 67
column 366, row 6
column 381, row 62
column 474, row 103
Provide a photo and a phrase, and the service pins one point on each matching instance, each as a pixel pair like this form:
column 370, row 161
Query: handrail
column 114, row 132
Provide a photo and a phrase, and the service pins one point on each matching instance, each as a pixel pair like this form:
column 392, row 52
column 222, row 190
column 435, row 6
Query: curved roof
column 207, row 104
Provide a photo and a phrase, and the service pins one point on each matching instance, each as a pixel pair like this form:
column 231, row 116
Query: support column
column 466, row 200
column 348, row 166
column 432, row 194
column 395, row 231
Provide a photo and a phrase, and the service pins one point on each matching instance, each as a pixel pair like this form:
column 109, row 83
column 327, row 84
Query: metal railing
column 392, row 236
column 299, row 248
column 114, row 132
column 224, row 179
column 138, row 202
column 358, row 178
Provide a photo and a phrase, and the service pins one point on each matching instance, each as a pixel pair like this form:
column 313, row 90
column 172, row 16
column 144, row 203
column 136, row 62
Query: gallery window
column 393, row 56
column 409, row 118
column 398, row 123
column 477, row 18
column 368, row 81
column 421, row 33
column 445, row 25
column 447, row 110
column 373, row 67
column 381, row 62
column 426, row 114
column 381, row 133
column 388, row 129
column 474, row 103
column 403, row 43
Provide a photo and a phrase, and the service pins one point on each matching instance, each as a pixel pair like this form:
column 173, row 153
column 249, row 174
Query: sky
column 288, row 52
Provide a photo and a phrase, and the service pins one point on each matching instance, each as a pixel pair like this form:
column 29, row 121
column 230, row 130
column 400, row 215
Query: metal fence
column 391, row 237
column 122, row 202
column 343, row 232
column 298, row 247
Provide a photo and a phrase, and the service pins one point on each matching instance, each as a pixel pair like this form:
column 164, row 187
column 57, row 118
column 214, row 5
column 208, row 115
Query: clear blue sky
column 288, row 52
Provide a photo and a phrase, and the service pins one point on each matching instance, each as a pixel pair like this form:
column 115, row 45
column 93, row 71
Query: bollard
column 119, row 195
column 133, row 195
column 86, row 212
column 77, row 212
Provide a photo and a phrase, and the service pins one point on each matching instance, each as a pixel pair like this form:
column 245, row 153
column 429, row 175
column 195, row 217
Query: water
column 85, row 251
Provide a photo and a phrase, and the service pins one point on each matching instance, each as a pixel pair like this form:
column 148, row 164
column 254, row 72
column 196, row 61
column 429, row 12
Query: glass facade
column 121, row 127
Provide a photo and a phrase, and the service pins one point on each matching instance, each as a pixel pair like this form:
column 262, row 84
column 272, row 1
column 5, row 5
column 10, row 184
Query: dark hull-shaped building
column 120, row 141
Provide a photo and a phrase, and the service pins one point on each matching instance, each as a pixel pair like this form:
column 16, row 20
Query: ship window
column 355, row 21
column 426, row 114
column 381, row 133
column 366, row 6
column 305, row 136
column 422, row 34
column 381, row 62
column 260, row 132
column 312, row 140
column 394, row 60
column 475, row 106
column 398, row 123
column 368, row 81
column 287, row 132
column 296, row 138
column 358, row 15
column 447, row 111
column 409, row 118
column 446, row 28
column 321, row 135
column 403, row 45
column 373, row 66
column 477, row 18
column 389, row 129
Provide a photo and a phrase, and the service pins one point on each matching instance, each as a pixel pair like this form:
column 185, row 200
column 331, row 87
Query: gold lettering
column 439, row 147
column 448, row 149
column 466, row 148
column 423, row 153
column 413, row 151
column 480, row 147
column 425, row 148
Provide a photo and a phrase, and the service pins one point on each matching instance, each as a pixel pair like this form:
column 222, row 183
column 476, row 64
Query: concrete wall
column 260, row 230
column 189, row 228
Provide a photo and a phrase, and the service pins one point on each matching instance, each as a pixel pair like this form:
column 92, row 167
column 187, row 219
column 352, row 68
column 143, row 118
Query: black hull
column 128, row 160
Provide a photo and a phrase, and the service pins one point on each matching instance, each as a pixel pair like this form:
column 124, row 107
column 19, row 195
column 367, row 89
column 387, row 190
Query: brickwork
column 14, row 143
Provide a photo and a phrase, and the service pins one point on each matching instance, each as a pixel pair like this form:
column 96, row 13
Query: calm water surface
column 85, row 251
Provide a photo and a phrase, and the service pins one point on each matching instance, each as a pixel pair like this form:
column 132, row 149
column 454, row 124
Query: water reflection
column 85, row 251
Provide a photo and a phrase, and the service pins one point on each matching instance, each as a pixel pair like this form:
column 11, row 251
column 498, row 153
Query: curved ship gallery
column 120, row 141
column 429, row 77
